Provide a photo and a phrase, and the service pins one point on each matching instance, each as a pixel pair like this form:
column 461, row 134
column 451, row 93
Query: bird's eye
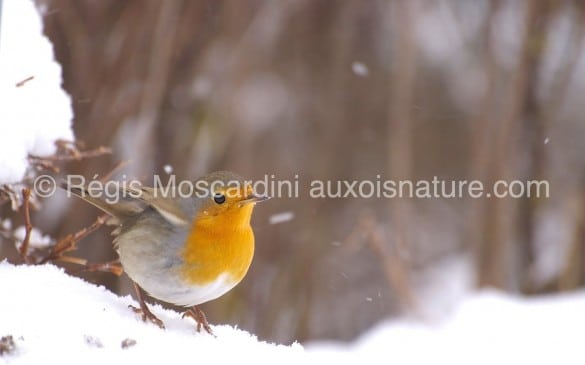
column 219, row 198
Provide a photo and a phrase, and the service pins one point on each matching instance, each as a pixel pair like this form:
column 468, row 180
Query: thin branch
column 69, row 242
column 9, row 190
column 4, row 195
column 27, row 225
column 21, row 83
column 46, row 166
column 73, row 260
column 74, row 155
column 113, row 267
column 116, row 167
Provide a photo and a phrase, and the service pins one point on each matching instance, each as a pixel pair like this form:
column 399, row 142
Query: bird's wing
column 120, row 208
column 168, row 205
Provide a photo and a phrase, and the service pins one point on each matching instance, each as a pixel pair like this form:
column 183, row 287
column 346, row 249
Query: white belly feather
column 191, row 295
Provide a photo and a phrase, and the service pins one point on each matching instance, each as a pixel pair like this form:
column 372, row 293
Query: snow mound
column 488, row 328
column 36, row 111
column 57, row 318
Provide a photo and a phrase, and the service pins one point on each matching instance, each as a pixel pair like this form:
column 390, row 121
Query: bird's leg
column 143, row 311
column 199, row 317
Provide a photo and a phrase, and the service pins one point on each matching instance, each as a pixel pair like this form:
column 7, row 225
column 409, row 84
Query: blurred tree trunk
column 482, row 136
column 533, row 134
column 400, row 153
column 508, row 233
column 573, row 273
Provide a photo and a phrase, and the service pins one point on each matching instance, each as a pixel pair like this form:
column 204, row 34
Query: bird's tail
column 119, row 208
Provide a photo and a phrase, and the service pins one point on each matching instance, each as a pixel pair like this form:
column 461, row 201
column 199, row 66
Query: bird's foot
column 147, row 315
column 200, row 318
column 143, row 311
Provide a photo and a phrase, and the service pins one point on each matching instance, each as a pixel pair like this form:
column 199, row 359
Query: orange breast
column 222, row 244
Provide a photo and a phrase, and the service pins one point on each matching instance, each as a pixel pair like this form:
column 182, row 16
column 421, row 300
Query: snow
column 36, row 240
column 360, row 69
column 281, row 217
column 54, row 317
column 444, row 285
column 5, row 224
column 168, row 169
column 35, row 111
column 487, row 328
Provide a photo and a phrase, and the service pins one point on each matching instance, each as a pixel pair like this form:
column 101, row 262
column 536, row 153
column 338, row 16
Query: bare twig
column 113, row 267
column 46, row 165
column 4, row 196
column 73, row 260
column 21, row 83
column 116, row 167
column 73, row 155
column 69, row 243
column 66, row 151
column 27, row 225
column 8, row 193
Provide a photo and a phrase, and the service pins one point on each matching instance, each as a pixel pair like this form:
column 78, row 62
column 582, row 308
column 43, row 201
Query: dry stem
column 27, row 225
column 69, row 243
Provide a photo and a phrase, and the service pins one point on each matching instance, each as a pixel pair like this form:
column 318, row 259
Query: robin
column 184, row 250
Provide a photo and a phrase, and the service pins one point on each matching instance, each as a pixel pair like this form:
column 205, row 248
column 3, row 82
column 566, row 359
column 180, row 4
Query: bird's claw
column 200, row 318
column 147, row 316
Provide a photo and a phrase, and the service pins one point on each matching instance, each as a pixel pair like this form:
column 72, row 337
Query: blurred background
column 483, row 90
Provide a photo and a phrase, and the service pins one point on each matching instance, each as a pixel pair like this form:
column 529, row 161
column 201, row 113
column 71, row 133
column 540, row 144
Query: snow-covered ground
column 56, row 317
column 487, row 328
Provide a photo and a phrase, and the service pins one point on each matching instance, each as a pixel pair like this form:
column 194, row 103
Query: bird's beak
column 253, row 198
